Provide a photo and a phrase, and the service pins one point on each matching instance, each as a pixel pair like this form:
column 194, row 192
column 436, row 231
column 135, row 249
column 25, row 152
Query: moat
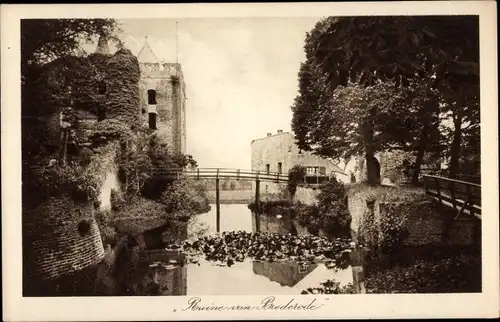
column 174, row 274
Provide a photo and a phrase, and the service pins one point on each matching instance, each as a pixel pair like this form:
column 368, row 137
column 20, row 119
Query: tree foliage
column 379, row 83
column 364, row 49
column 43, row 40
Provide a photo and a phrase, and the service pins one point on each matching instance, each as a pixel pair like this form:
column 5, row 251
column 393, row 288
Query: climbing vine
column 122, row 97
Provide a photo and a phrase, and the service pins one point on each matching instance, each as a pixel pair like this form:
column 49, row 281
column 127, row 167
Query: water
column 233, row 217
column 242, row 278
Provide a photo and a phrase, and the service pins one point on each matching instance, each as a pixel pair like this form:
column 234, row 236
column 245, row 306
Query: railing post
column 238, row 174
column 217, row 202
column 438, row 190
column 198, row 173
column 257, row 204
column 452, row 193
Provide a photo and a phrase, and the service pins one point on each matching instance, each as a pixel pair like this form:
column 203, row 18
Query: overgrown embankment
column 413, row 245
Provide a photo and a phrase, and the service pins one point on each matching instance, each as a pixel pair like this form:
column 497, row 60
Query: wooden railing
column 463, row 196
column 221, row 173
column 443, row 173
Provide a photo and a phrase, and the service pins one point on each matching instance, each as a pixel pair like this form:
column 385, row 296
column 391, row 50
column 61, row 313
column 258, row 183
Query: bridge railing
column 463, row 196
column 443, row 173
column 222, row 173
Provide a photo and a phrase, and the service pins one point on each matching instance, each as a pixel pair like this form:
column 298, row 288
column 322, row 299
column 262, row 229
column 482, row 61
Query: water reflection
column 243, row 278
column 236, row 217
column 170, row 273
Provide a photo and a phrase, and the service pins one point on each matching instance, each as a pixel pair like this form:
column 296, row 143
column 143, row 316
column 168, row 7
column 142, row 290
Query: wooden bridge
column 463, row 196
column 221, row 173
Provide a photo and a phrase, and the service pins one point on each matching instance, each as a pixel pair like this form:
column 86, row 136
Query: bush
column 330, row 213
column 80, row 182
column 108, row 232
column 185, row 198
column 446, row 275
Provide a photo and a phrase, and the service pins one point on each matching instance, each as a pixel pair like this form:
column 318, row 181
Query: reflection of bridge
column 223, row 173
column 464, row 197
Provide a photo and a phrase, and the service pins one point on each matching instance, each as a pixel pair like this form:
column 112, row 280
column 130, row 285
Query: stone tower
column 163, row 98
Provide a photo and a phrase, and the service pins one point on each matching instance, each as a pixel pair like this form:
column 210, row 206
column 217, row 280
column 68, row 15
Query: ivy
column 76, row 180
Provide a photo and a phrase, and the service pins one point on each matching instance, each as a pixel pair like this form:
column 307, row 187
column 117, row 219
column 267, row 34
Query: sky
column 240, row 75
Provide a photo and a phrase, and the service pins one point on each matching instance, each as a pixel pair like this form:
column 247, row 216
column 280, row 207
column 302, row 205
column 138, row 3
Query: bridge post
column 217, row 203
column 257, row 205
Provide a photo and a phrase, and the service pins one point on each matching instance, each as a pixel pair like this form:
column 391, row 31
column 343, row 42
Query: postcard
column 250, row 161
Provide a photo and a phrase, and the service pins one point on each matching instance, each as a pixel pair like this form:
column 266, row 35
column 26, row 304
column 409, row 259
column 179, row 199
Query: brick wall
column 424, row 221
column 53, row 244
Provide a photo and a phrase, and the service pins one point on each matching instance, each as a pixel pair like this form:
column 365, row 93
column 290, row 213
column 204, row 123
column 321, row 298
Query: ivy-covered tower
column 163, row 98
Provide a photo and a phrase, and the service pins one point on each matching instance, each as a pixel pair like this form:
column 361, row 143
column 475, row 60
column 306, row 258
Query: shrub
column 445, row 275
column 185, row 198
column 108, row 232
column 76, row 180
column 330, row 213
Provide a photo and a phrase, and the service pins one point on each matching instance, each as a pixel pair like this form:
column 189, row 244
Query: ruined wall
column 63, row 238
column 421, row 223
column 60, row 235
column 122, row 91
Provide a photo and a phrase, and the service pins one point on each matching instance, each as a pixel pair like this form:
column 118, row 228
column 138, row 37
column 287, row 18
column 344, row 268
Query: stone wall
column 424, row 221
column 281, row 148
column 171, row 103
column 61, row 237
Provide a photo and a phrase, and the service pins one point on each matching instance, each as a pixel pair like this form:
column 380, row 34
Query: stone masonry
column 67, row 238
column 280, row 148
column 167, row 80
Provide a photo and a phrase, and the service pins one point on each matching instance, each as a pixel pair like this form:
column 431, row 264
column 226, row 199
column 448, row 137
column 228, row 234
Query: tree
column 439, row 53
column 356, row 120
column 43, row 40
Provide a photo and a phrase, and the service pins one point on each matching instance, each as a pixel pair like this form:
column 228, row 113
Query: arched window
column 280, row 165
column 151, row 97
column 268, row 168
